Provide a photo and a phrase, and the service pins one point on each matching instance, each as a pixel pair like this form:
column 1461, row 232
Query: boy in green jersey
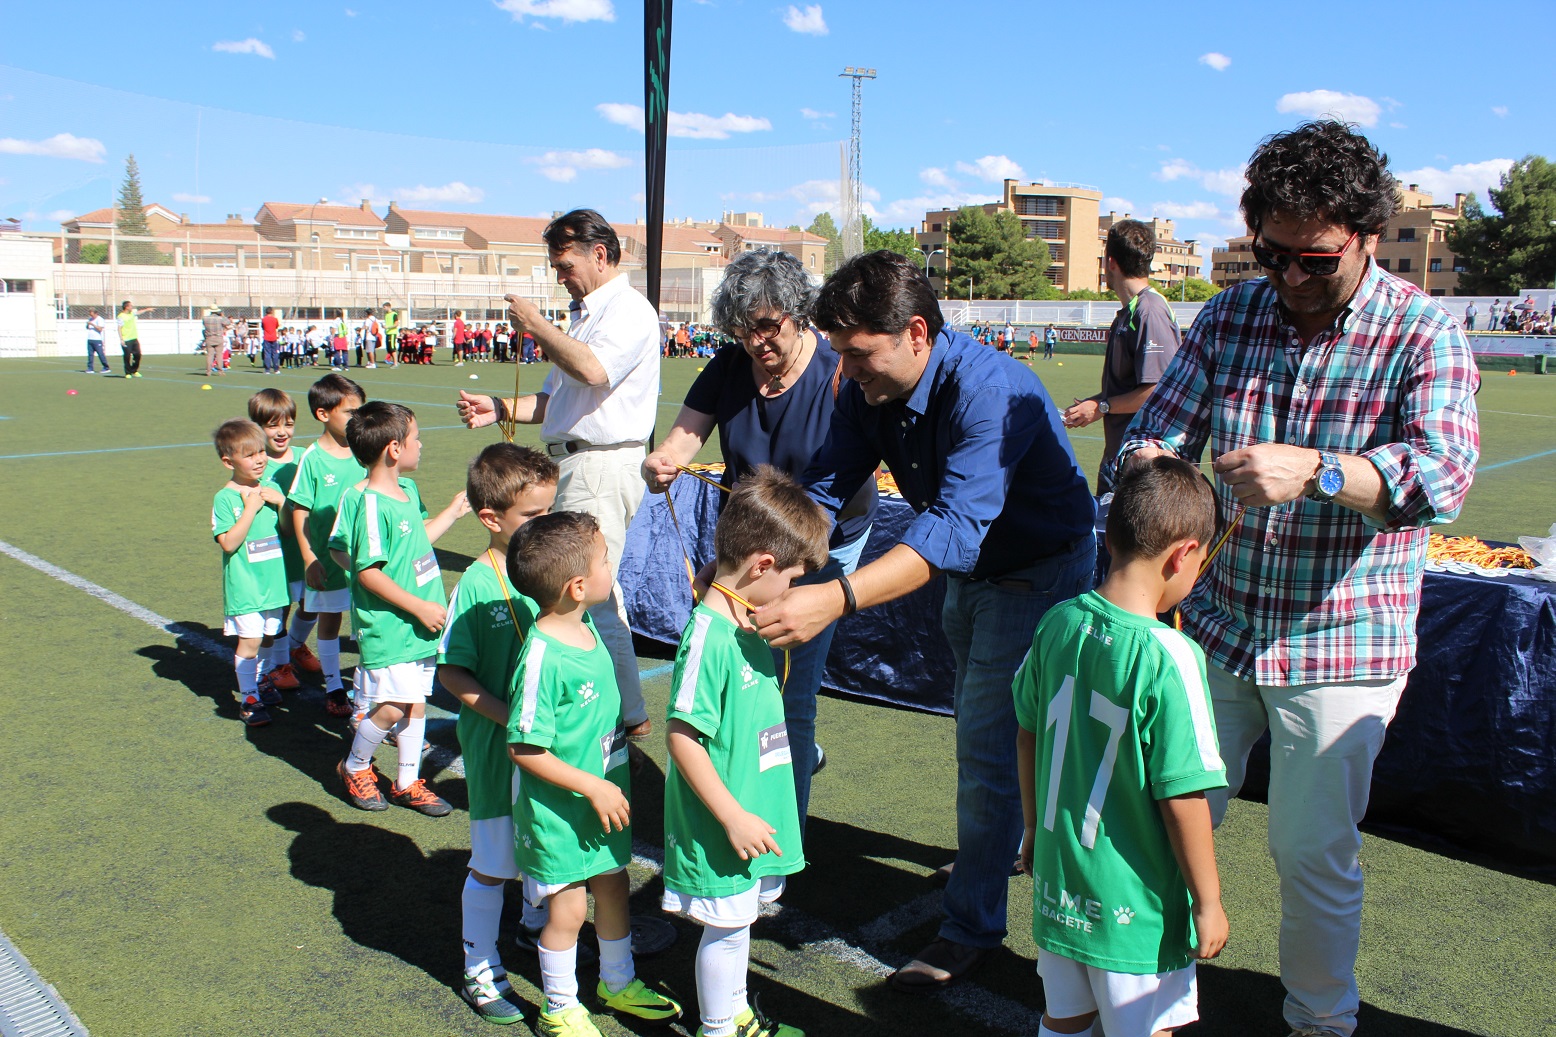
column 732, row 824
column 385, row 541
column 244, row 520
column 274, row 411
column 571, row 818
column 488, row 619
column 1116, row 748
column 325, row 472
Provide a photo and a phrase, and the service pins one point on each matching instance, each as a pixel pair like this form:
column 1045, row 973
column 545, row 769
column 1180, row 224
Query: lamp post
column 927, row 257
column 1553, row 276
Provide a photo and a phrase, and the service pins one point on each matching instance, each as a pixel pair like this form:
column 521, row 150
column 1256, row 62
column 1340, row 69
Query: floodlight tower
column 853, row 222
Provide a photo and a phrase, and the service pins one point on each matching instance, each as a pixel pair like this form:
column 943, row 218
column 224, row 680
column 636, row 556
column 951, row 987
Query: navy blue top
column 978, row 451
column 784, row 431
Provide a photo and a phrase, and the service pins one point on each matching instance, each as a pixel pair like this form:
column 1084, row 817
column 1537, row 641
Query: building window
column 440, row 233
column 1383, row 263
column 1439, row 291
column 11, row 286
column 1404, row 265
column 1436, row 266
column 1032, row 205
column 356, row 232
column 1459, row 266
column 934, row 228
column 1407, row 234
column 1056, row 253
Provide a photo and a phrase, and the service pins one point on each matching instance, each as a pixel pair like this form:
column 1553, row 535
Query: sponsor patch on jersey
column 773, row 748
column 613, row 749
column 264, row 549
column 426, row 569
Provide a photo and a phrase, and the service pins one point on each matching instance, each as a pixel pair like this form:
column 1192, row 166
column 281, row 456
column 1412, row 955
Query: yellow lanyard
column 502, row 583
column 1237, row 518
column 738, row 600
column 691, row 573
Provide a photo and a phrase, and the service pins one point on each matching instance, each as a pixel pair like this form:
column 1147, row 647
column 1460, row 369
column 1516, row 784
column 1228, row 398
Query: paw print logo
column 329, row 479
column 746, row 675
column 405, row 527
column 1123, row 915
column 500, row 615
column 670, row 842
column 528, row 845
column 587, row 694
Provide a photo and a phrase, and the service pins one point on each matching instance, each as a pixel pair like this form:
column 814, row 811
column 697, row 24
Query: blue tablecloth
column 1470, row 756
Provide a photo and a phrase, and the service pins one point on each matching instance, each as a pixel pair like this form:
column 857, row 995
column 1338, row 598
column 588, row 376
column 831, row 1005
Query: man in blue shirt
column 1004, row 512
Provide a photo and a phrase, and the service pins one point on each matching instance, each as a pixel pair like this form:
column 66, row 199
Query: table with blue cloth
column 1471, row 755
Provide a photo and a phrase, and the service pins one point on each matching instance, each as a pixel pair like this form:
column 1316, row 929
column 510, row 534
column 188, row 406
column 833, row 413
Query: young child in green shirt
column 397, row 602
column 274, row 411
column 325, row 471
column 244, row 521
column 1116, row 747
column 571, row 818
column 732, row 824
column 488, row 620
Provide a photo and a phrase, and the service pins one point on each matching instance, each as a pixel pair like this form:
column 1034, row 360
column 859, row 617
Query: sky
column 530, row 107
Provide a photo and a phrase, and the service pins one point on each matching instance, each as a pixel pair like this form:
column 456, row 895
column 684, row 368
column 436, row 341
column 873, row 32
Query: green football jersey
column 253, row 576
column 1122, row 715
column 565, row 700
column 284, row 474
column 481, row 636
column 725, row 688
column 321, row 479
column 377, row 529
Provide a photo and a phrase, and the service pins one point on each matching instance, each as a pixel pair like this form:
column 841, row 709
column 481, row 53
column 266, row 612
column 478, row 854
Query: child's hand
column 1210, row 925
column 1026, row 851
column 610, row 804
column 272, row 495
column 751, row 836
column 313, row 576
column 431, row 615
column 253, row 497
column 460, row 504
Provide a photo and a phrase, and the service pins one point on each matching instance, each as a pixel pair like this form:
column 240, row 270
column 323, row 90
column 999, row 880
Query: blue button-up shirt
column 977, row 450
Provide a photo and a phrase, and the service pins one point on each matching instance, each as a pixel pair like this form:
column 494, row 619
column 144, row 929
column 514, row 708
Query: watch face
column 1331, row 481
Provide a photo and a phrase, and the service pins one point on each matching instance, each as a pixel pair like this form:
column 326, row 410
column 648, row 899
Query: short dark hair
column 1157, row 503
column 374, row 426
column 327, row 393
column 550, row 550
column 768, row 511
column 271, row 405
column 502, row 471
column 1321, row 170
column 1132, row 245
column 583, row 229
column 230, row 436
column 880, row 292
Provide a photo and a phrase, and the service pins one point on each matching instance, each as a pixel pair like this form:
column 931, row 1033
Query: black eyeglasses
column 762, row 329
column 1319, row 264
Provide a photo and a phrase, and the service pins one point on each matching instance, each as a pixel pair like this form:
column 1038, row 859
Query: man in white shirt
column 94, row 340
column 596, row 409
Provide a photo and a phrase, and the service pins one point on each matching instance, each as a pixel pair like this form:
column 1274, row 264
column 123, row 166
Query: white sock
column 367, row 739
column 301, row 628
column 559, row 977
column 278, row 654
column 535, row 915
column 482, row 914
column 723, row 958
column 1043, row 1031
column 616, row 969
column 248, row 677
column 411, row 735
column 329, row 663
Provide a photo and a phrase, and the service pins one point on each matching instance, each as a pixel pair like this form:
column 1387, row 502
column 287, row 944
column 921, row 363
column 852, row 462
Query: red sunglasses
column 1319, row 264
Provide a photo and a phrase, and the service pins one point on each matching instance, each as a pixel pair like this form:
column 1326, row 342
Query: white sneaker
column 370, row 366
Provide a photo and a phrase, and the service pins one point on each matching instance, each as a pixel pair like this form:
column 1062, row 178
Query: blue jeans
column 990, row 626
column 272, row 356
column 806, row 664
column 94, row 347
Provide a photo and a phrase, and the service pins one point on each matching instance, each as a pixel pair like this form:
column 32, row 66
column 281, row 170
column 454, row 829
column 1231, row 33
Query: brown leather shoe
column 938, row 966
column 638, row 732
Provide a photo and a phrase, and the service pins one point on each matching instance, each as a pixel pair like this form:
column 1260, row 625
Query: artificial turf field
column 170, row 872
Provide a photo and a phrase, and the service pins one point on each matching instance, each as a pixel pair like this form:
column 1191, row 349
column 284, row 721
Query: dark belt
column 573, row 446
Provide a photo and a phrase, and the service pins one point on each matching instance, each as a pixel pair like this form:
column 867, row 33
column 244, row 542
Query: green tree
column 1089, row 295
column 993, row 254
column 1515, row 248
column 1195, row 289
column 130, row 220
column 93, row 252
column 898, row 239
column 823, row 226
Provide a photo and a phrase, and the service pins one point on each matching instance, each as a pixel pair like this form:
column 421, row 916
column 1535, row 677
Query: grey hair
column 762, row 279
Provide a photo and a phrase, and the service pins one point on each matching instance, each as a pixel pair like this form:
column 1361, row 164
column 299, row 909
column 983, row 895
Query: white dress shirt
column 622, row 330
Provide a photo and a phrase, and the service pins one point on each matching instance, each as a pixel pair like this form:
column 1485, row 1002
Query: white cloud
column 1464, row 178
column 454, row 191
column 350, row 13
column 934, row 176
column 563, row 166
column 1500, row 111
column 1219, row 181
column 298, row 36
column 61, row 145
column 1186, row 210
column 1219, row 62
column 61, row 215
column 1116, row 204
column 259, row 48
column 811, row 113
column 694, row 125
column 353, row 195
column 566, row 10
column 1319, row 103
column 808, row 21
column 910, row 211
column 191, row 199
column 1398, row 126
column 992, row 167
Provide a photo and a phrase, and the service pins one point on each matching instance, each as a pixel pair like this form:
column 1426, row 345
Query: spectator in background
column 1470, row 313
column 94, row 340
column 270, row 341
column 129, row 337
column 215, row 327
column 1050, row 339
column 1491, row 316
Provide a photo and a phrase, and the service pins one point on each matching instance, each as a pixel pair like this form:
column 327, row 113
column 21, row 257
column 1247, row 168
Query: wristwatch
column 1329, row 480
column 1102, row 406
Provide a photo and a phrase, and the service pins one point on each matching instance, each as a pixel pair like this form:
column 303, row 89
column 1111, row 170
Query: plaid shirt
column 1306, row 592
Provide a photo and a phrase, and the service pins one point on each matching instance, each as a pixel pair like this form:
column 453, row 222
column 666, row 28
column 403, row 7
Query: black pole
column 656, row 108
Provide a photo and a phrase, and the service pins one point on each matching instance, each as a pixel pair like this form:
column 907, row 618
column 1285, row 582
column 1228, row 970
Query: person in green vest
column 129, row 337
column 391, row 331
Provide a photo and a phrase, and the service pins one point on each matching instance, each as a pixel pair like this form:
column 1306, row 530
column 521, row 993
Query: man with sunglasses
column 1337, row 405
